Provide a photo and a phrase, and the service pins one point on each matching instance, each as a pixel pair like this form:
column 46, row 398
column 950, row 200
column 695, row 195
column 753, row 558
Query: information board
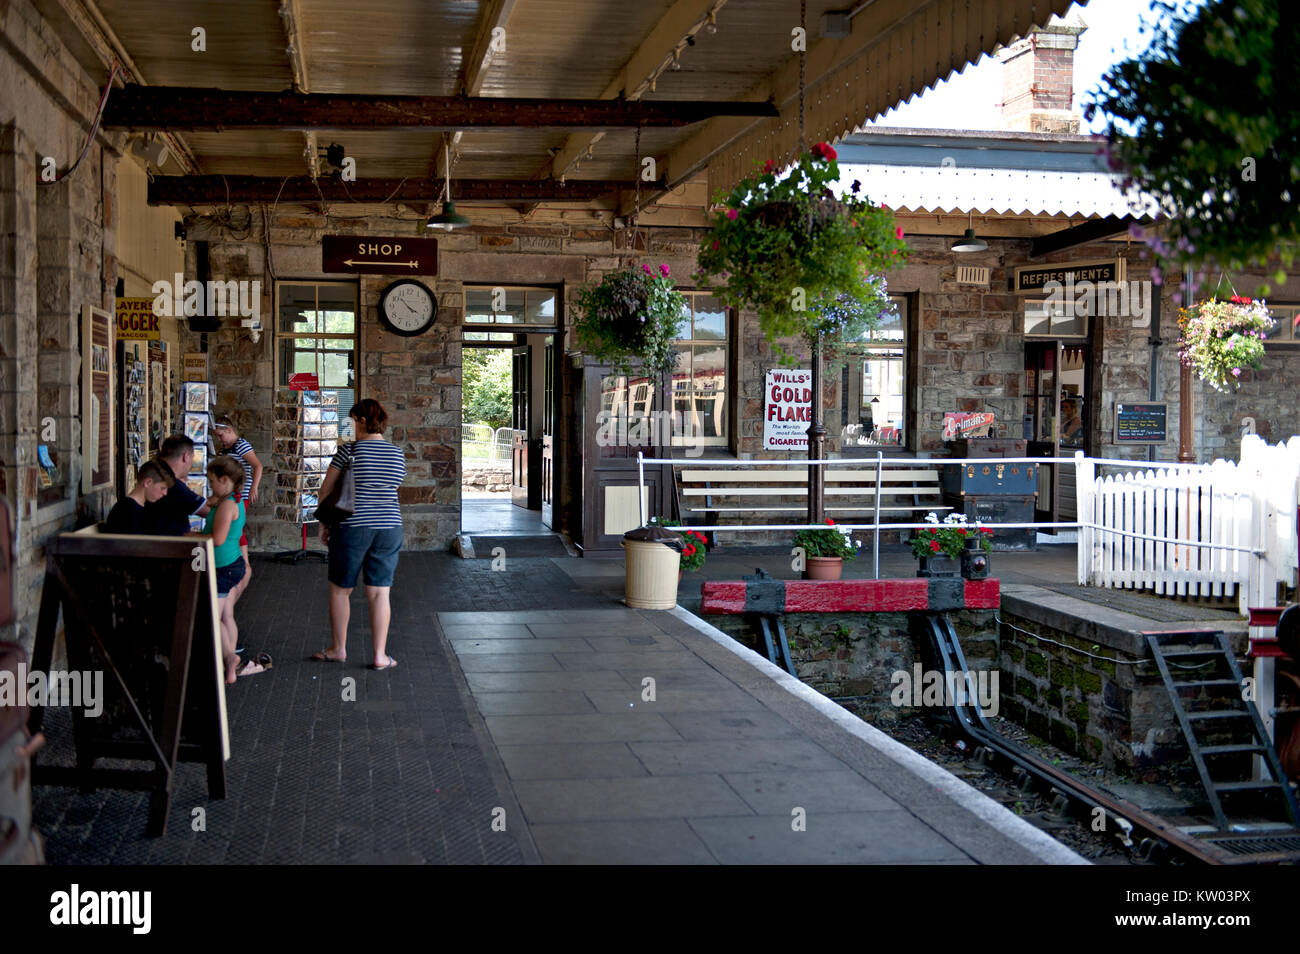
column 1141, row 423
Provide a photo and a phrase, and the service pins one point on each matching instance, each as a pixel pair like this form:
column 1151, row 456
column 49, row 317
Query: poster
column 787, row 410
column 97, row 400
column 194, row 366
column 136, row 320
column 159, row 406
column 958, row 424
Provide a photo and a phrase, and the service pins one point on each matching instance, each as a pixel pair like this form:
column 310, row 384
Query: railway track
column 1148, row 836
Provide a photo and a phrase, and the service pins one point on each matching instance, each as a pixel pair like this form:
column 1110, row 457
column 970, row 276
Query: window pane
column 891, row 327
column 1069, row 324
column 336, row 370
column 540, row 307
column 684, row 329
column 882, row 397
column 709, row 381
column 709, row 324
column 297, row 309
column 1036, row 318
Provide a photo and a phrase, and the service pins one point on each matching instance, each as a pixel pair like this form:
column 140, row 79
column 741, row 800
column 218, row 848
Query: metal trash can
column 654, row 557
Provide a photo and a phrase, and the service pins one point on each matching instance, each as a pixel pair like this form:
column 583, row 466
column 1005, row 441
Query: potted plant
column 940, row 546
column 1219, row 339
column 694, row 550
column 808, row 262
column 825, row 550
column 631, row 315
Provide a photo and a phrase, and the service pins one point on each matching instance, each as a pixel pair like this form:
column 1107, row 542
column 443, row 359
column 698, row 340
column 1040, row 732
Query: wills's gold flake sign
column 379, row 254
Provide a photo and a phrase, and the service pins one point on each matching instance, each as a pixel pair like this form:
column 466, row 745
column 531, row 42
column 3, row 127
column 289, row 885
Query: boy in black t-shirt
column 170, row 516
column 152, row 481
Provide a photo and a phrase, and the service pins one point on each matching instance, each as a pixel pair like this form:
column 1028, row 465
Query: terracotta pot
column 824, row 568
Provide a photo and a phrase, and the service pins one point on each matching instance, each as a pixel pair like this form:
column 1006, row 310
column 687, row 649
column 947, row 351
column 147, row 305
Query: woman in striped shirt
column 239, row 448
column 372, row 536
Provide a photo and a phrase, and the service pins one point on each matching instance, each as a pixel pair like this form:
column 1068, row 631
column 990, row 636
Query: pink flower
column 663, row 270
column 715, row 245
column 733, row 214
column 898, row 230
column 1236, row 372
column 647, row 270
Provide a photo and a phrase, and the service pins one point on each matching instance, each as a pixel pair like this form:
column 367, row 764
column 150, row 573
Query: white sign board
column 787, row 410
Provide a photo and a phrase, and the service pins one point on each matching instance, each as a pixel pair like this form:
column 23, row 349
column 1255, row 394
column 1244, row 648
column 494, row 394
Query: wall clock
column 407, row 308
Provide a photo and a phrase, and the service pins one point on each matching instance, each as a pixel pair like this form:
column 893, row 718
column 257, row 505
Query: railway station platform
column 518, row 727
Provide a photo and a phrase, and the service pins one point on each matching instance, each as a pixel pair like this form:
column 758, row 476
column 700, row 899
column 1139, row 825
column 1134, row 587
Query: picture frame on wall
column 97, row 398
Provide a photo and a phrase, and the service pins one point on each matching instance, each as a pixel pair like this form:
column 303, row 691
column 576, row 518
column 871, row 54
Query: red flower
column 689, row 549
column 961, row 531
column 934, row 546
column 824, row 152
column 769, row 166
column 830, row 522
column 988, row 531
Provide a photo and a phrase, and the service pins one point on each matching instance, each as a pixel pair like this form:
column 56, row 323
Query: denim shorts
column 353, row 547
column 228, row 576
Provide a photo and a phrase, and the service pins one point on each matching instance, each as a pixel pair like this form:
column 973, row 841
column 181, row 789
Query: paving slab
column 566, row 760
column 630, row 842
column 872, row 838
column 608, row 799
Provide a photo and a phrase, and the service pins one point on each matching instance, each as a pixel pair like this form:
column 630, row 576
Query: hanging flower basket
column 1221, row 339
column 810, row 263
column 632, row 315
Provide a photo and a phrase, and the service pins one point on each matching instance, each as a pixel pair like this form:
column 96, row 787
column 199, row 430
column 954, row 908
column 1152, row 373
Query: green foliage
column 486, row 380
column 1206, row 120
column 809, row 263
column 631, row 314
column 830, row 542
column 948, row 537
column 1220, row 339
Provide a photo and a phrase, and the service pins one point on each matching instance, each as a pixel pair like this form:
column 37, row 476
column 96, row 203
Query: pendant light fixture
column 448, row 219
column 969, row 242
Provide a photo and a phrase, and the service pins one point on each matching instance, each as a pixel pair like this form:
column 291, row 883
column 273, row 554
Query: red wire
column 99, row 114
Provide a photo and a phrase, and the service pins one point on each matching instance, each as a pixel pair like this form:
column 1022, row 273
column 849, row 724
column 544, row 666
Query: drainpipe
column 1185, row 454
column 1154, row 341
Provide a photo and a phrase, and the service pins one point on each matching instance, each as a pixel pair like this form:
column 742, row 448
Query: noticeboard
column 1141, row 423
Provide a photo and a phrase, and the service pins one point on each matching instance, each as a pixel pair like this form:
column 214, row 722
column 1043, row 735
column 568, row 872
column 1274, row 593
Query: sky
column 972, row 100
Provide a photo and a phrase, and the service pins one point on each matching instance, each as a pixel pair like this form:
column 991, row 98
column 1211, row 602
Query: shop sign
column 1141, row 423
column 194, row 366
column 1030, row 279
column 787, row 411
column 379, row 254
column 304, row 381
column 967, row 424
column 136, row 320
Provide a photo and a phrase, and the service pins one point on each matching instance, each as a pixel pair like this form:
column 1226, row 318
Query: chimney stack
column 1038, row 78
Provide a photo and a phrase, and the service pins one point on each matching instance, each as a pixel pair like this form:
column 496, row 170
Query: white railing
column 1176, row 529
column 1220, row 529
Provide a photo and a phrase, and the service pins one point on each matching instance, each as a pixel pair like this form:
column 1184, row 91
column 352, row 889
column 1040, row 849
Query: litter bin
column 653, row 556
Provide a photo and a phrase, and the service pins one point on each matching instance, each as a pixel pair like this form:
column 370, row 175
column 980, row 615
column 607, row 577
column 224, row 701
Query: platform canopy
column 495, row 79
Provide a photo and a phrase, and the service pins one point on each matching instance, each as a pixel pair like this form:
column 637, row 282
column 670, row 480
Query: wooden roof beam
column 145, row 108
column 496, row 15
column 633, row 80
column 291, row 19
column 219, row 190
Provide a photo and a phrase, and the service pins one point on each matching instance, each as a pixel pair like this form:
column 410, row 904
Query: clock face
column 407, row 308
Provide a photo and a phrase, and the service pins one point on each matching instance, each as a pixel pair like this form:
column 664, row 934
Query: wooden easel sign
column 142, row 611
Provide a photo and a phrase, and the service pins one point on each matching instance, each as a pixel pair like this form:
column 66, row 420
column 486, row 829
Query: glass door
column 1057, row 414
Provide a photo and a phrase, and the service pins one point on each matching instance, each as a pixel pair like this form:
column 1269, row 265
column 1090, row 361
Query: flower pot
column 824, row 568
column 938, row 565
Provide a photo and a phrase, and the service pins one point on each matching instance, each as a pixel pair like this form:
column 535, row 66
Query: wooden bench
column 906, row 493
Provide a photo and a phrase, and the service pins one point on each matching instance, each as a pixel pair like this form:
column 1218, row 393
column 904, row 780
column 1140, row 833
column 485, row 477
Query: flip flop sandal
column 261, row 663
column 321, row 657
column 392, row 664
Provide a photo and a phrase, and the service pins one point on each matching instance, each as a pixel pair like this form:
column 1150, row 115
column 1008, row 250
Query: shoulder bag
column 341, row 501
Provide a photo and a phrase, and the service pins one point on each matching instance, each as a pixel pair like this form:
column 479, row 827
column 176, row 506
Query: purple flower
column 733, row 214
column 663, row 270
column 1236, row 372
column 647, row 270
column 1137, row 232
column 1156, row 277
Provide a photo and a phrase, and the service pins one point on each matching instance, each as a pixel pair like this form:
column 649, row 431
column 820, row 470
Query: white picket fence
column 1221, row 529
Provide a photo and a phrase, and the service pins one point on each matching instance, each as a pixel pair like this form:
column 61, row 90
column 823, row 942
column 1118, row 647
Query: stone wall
column 51, row 265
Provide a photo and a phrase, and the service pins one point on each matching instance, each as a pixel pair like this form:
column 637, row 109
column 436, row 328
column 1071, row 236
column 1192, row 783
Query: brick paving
column 400, row 775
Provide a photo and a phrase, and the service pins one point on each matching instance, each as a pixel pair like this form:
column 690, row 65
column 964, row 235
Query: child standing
column 225, row 523
column 152, row 481
column 239, row 448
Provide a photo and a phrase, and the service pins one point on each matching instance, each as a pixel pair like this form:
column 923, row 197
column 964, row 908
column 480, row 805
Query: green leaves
column 777, row 244
column 1207, row 120
column 631, row 315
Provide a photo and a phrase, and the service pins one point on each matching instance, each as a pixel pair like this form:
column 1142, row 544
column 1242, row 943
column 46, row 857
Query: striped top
column 237, row 451
column 380, row 470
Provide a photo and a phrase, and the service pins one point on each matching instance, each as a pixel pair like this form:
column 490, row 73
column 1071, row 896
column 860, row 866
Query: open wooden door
column 521, row 384
column 548, row 435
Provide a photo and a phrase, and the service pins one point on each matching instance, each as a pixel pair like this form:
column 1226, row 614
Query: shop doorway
column 1058, row 419
column 508, row 421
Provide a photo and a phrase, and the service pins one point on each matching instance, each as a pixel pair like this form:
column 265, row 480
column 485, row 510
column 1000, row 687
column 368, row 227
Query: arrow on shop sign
column 407, row 264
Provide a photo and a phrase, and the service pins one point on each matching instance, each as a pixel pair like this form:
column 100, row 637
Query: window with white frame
column 700, row 378
column 316, row 332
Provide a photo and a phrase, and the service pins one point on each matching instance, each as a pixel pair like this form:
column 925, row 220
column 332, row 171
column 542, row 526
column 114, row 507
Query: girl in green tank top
column 225, row 523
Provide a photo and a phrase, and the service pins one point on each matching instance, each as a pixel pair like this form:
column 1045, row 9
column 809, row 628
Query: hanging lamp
column 970, row 242
column 448, row 219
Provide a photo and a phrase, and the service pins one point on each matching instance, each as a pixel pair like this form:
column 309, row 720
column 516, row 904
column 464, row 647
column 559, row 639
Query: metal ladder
column 1204, row 648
